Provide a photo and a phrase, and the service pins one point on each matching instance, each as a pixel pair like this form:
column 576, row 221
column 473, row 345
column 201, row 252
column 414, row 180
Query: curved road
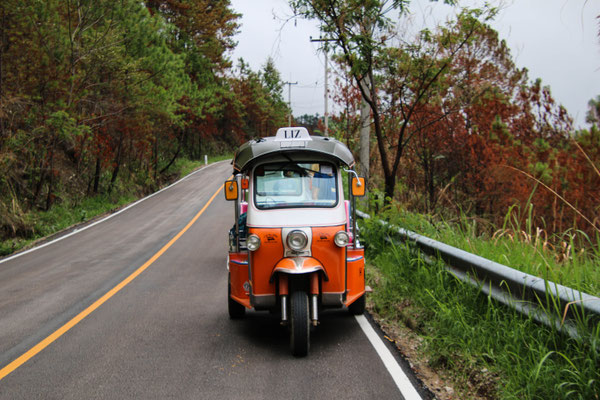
column 77, row 330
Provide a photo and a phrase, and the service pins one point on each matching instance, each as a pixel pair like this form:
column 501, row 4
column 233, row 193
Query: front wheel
column 300, row 324
column 236, row 310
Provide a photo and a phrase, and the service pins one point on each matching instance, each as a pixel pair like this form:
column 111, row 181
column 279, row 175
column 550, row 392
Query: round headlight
column 253, row 242
column 341, row 239
column 297, row 240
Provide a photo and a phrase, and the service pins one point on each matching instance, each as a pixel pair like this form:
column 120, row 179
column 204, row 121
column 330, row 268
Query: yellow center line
column 79, row 317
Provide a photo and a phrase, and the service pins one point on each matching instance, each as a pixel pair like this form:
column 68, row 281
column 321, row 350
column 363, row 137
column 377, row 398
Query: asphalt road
column 165, row 334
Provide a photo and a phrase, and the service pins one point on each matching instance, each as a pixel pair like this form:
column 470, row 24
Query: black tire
column 358, row 307
column 300, row 324
column 236, row 310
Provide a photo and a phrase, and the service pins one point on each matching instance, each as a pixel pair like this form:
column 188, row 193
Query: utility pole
column 365, row 137
column 326, row 79
column 290, row 100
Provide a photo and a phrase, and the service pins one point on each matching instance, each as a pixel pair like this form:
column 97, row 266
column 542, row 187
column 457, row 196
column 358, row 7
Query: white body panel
column 292, row 217
column 297, row 217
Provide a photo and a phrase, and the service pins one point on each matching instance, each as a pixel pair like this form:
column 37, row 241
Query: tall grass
column 485, row 345
column 563, row 260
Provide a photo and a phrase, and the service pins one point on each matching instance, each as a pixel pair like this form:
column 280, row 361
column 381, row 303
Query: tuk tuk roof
column 323, row 147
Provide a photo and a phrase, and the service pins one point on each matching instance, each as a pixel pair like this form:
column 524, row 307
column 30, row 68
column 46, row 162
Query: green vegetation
column 486, row 347
column 70, row 212
column 456, row 125
column 101, row 99
column 570, row 259
column 459, row 131
column 44, row 223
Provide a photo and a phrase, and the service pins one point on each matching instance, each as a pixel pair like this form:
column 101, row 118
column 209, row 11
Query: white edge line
column 107, row 217
column 405, row 386
column 399, row 377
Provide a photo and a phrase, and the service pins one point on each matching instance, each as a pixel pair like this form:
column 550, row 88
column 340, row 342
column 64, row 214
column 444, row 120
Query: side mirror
column 231, row 190
column 359, row 187
column 245, row 183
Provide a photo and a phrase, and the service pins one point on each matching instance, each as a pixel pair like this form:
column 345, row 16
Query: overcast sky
column 556, row 40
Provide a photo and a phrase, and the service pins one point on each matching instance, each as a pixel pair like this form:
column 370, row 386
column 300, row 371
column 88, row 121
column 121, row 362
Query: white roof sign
column 296, row 133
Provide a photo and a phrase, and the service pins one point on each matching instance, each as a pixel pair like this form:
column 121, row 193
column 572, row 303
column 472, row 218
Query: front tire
column 300, row 324
column 236, row 310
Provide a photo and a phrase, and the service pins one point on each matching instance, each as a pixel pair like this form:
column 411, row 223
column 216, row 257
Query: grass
column 62, row 216
column 186, row 166
column 74, row 211
column 489, row 349
column 527, row 250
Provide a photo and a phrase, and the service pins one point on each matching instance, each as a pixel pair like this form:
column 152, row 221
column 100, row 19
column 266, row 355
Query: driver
column 322, row 182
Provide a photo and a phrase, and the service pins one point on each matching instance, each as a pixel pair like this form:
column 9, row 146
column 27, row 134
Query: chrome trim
column 238, row 262
column 315, row 309
column 299, row 261
column 287, row 251
column 301, row 235
column 284, row 317
column 298, row 272
column 352, row 259
column 353, row 172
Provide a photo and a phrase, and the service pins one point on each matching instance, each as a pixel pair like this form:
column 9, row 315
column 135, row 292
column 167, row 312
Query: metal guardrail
column 547, row 302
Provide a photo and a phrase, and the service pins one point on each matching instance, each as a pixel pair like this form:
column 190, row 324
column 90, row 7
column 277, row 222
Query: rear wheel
column 236, row 310
column 358, row 307
column 300, row 324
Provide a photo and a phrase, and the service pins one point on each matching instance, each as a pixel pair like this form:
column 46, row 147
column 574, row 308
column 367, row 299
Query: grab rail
column 528, row 294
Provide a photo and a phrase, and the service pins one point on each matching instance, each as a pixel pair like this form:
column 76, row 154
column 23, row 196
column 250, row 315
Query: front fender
column 298, row 265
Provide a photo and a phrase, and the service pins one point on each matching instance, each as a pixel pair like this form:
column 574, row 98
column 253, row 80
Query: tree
column 258, row 96
column 358, row 29
column 361, row 32
column 102, row 96
column 207, row 24
column 592, row 116
column 310, row 122
column 91, row 77
column 479, row 85
column 203, row 36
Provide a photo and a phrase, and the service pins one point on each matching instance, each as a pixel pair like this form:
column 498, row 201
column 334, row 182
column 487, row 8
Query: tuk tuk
column 294, row 249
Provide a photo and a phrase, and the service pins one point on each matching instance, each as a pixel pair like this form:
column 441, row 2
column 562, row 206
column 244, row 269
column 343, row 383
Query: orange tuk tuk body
column 294, row 248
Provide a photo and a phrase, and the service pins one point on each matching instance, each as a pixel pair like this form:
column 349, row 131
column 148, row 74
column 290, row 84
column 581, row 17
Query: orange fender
column 298, row 265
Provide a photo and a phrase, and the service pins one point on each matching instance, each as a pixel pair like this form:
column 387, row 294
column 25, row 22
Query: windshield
column 291, row 184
